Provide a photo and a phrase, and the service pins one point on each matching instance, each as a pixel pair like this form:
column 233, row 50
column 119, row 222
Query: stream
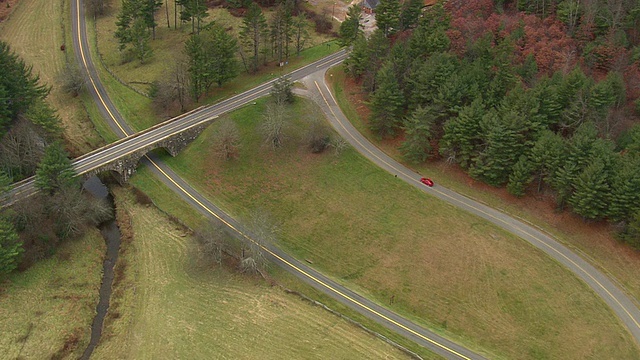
column 111, row 233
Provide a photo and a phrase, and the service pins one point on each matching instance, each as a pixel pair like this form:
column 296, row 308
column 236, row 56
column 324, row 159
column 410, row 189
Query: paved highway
column 613, row 296
column 381, row 315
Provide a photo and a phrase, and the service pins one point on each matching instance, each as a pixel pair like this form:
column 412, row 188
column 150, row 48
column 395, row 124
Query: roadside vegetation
column 434, row 264
column 181, row 304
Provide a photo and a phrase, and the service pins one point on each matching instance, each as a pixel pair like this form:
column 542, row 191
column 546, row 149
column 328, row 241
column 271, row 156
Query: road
column 613, row 296
column 424, row 337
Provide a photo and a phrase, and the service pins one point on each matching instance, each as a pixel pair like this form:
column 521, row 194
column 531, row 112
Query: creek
column 111, row 234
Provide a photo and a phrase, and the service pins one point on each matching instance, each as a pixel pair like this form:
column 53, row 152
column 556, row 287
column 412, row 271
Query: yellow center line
column 327, row 286
column 246, row 236
column 614, row 298
column 84, row 60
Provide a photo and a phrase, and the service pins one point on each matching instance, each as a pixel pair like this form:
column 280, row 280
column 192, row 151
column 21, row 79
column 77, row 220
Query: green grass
column 441, row 267
column 171, row 304
column 594, row 242
column 52, row 304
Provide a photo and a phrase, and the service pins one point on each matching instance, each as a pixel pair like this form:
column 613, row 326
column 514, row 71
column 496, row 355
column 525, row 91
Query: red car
column 427, row 181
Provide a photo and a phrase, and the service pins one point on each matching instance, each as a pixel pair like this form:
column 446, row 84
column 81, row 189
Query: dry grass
column 38, row 43
column 171, row 306
column 442, row 267
column 50, row 306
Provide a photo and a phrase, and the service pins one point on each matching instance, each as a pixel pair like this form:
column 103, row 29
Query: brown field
column 172, row 305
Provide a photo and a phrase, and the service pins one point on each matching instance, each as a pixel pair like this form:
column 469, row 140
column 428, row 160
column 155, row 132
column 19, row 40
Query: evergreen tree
column 300, row 32
column 521, row 176
column 357, row 62
column 221, row 51
column 253, row 31
column 411, row 11
column 631, row 232
column 592, row 193
column 388, row 16
column 386, row 102
column 547, row 157
column 281, row 31
column 19, row 88
column 503, row 146
column 149, row 9
column 10, row 247
column 43, row 115
column 133, row 28
column 461, row 140
column 198, row 66
column 418, row 128
column 55, row 171
column 625, row 189
column 350, row 28
column 282, row 92
column 194, row 11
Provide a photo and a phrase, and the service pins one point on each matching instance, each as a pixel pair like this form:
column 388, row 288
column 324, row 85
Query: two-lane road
column 424, row 337
column 613, row 296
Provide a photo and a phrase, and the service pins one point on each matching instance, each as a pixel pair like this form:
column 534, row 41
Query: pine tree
column 418, row 129
column 411, row 11
column 19, row 87
column 503, row 146
column 625, row 189
column 388, row 16
column 386, row 102
column 521, row 176
column 55, row 171
column 253, row 31
column 461, row 140
column 221, row 51
column 10, row 247
column 351, row 28
column 592, row 193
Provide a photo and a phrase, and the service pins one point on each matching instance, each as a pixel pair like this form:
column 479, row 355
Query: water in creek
column 111, row 233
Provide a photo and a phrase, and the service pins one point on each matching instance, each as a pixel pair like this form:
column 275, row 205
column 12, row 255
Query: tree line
column 516, row 99
column 31, row 144
column 212, row 54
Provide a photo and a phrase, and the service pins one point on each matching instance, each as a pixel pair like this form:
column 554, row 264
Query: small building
column 369, row 6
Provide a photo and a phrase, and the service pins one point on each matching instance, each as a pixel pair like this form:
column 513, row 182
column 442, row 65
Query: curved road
column 615, row 298
column 381, row 315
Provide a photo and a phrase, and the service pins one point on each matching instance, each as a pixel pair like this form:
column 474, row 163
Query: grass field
column 50, row 306
column 38, row 43
column 439, row 266
column 594, row 242
column 170, row 305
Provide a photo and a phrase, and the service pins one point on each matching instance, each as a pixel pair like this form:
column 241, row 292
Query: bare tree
column 274, row 126
column 213, row 240
column 72, row 211
column 317, row 135
column 98, row 8
column 21, row 149
column 263, row 231
column 226, row 141
column 71, row 80
column 174, row 87
column 339, row 144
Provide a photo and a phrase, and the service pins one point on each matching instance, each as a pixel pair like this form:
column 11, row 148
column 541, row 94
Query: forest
column 538, row 96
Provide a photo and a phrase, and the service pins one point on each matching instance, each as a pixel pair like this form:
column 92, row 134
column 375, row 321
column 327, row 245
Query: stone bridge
column 124, row 162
